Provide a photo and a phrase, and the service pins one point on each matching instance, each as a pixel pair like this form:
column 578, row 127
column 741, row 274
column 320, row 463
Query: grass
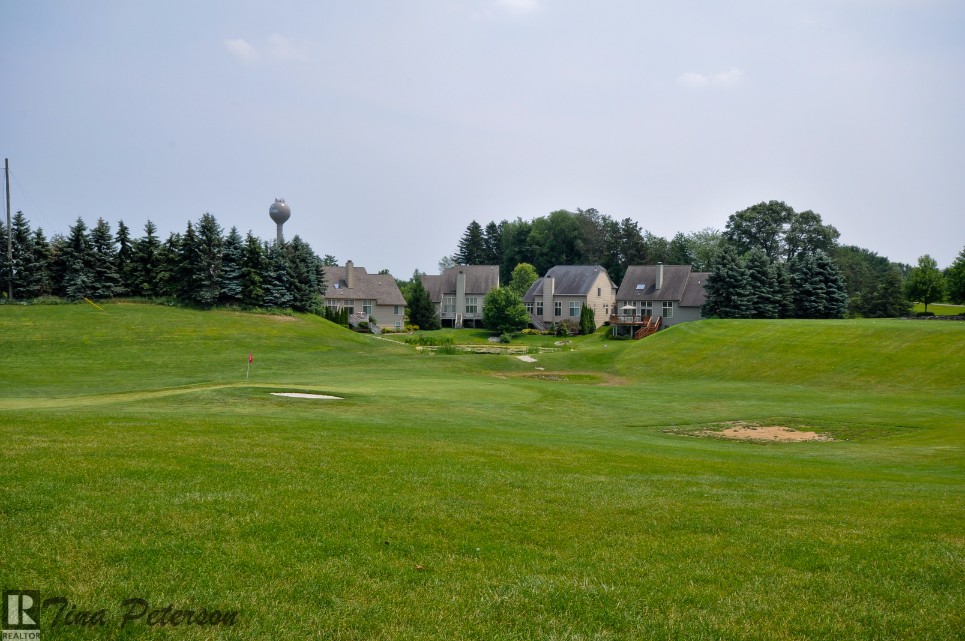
column 476, row 497
column 940, row 309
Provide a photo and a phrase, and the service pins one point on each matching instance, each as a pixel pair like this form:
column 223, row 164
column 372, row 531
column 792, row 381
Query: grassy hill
column 476, row 496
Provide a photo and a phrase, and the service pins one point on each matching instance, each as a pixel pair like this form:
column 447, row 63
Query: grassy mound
column 475, row 496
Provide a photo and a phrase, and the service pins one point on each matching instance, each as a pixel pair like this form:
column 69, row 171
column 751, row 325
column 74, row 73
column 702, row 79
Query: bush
column 924, row 314
column 505, row 338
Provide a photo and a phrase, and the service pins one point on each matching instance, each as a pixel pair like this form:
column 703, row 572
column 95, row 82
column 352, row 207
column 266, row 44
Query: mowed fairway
column 476, row 496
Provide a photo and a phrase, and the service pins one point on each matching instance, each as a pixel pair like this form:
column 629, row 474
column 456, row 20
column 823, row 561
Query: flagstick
column 248, row 371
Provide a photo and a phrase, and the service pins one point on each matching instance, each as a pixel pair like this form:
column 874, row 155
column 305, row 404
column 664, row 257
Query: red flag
column 250, row 357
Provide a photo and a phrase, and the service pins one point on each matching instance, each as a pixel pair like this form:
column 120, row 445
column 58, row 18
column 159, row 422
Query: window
column 529, row 308
column 574, row 308
column 539, row 308
column 558, row 308
column 646, row 308
column 472, row 305
column 398, row 324
column 397, row 310
column 367, row 307
column 449, row 305
column 599, row 291
column 668, row 309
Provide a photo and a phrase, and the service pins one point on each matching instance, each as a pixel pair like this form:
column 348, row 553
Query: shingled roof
column 680, row 283
column 480, row 280
column 381, row 288
column 569, row 280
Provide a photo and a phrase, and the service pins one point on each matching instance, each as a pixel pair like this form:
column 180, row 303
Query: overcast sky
column 389, row 125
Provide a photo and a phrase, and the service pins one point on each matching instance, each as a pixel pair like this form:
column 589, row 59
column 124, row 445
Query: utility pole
column 6, row 175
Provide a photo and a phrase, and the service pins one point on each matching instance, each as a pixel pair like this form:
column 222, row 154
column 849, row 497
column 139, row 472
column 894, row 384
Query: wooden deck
column 636, row 326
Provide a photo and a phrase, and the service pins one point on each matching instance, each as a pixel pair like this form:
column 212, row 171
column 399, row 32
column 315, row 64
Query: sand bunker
column 526, row 359
column 303, row 395
column 773, row 433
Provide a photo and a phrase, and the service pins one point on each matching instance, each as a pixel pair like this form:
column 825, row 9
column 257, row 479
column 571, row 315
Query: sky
column 389, row 125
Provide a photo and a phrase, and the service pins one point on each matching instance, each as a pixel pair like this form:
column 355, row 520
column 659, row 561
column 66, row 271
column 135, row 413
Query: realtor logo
column 21, row 615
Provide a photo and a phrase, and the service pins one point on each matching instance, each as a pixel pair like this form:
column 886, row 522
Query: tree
column 807, row 287
column 206, row 261
column 955, row 280
column 760, row 225
column 76, row 259
column 277, row 281
column 807, row 233
column 472, row 246
column 29, row 260
column 728, row 288
column 123, row 259
column 307, row 276
column 925, row 283
column 836, row 295
column 105, row 280
column 516, row 247
column 145, row 263
column 253, row 267
column 587, row 320
column 447, row 262
column 232, row 269
column 704, row 246
column 888, row 299
column 503, row 311
column 493, row 244
column 421, row 310
column 762, row 279
column 555, row 241
column 524, row 275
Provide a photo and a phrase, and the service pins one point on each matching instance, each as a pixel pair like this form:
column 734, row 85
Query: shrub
column 505, row 338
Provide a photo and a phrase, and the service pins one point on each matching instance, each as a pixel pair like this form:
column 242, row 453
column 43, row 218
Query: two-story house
column 458, row 293
column 565, row 289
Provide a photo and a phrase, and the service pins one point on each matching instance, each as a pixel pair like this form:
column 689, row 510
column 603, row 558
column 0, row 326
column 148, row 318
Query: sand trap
column 526, row 358
column 303, row 395
column 778, row 433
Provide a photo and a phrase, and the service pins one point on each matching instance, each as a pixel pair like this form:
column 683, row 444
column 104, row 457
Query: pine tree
column 76, row 262
column 232, row 269
column 124, row 259
column 168, row 280
column 728, row 288
column 493, row 243
column 888, row 298
column 277, row 282
column 104, row 277
column 307, row 277
column 28, row 268
column 207, row 261
column 421, row 310
column 145, row 265
column 808, row 287
column 765, row 293
column 472, row 247
column 41, row 282
column 836, row 294
column 785, row 297
column 587, row 320
column 253, row 268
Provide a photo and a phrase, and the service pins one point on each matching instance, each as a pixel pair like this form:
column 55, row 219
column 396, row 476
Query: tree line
column 200, row 267
column 770, row 261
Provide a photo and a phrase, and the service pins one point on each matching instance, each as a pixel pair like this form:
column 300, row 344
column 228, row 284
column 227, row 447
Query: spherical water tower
column 280, row 212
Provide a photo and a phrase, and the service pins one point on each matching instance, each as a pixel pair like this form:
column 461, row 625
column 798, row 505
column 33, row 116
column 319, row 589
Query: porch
column 633, row 326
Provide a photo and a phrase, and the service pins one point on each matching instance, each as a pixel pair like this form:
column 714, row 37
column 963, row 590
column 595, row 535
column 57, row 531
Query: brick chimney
column 659, row 275
column 350, row 274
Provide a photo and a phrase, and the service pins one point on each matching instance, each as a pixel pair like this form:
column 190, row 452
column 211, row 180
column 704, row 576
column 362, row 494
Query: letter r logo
column 21, row 609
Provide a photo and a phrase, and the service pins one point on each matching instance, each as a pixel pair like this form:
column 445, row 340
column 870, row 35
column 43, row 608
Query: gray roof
column 570, row 280
column 381, row 288
column 480, row 280
column 680, row 284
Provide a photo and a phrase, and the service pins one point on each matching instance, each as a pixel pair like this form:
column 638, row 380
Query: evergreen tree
column 210, row 245
column 277, row 281
column 307, row 276
column 785, row 296
column 253, row 267
column 493, row 244
column 145, row 263
column 808, row 288
column 28, row 265
column 421, row 310
column 587, row 320
column 925, row 283
column 169, row 274
column 104, row 278
column 188, row 279
column 77, row 263
column 232, row 269
column 955, row 280
column 124, row 260
column 836, row 295
column 472, row 246
column 728, row 288
column 888, row 299
column 40, row 282
column 765, row 293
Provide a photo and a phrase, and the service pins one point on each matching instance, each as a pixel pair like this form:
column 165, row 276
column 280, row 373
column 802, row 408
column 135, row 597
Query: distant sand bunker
column 752, row 432
column 302, row 395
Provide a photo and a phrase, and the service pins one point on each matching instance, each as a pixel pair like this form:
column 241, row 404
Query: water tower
column 280, row 212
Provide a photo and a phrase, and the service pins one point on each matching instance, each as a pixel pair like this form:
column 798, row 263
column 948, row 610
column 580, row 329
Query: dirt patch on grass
column 742, row 431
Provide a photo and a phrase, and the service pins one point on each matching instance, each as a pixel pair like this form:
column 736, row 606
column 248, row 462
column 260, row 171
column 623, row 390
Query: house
column 654, row 296
column 366, row 296
column 458, row 293
column 565, row 289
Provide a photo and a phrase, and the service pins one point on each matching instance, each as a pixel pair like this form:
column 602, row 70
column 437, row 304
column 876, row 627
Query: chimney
column 659, row 275
column 549, row 308
column 350, row 274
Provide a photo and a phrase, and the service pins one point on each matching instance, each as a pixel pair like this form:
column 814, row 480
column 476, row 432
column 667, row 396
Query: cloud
column 519, row 6
column 721, row 79
column 239, row 48
column 277, row 47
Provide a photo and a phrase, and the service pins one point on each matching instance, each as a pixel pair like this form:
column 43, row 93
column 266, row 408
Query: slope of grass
column 477, row 496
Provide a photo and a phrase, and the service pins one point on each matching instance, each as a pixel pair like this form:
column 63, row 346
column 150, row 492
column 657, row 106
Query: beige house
column 366, row 296
column 565, row 289
column 458, row 293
